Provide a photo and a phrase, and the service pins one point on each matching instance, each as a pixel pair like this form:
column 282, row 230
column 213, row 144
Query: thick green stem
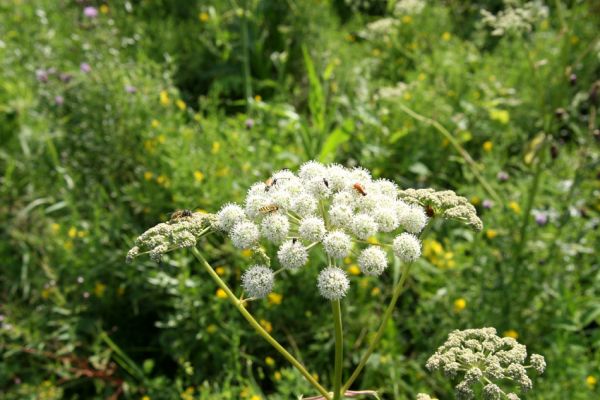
column 339, row 349
column 386, row 316
column 239, row 305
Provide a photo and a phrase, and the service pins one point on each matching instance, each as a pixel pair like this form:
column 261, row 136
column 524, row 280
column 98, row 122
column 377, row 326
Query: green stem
column 459, row 149
column 339, row 348
column 265, row 335
column 386, row 316
column 246, row 57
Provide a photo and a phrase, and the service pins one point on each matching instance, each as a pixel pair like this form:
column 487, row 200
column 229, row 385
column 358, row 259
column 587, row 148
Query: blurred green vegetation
column 110, row 122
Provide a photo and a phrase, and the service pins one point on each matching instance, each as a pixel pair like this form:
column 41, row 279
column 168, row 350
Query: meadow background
column 113, row 114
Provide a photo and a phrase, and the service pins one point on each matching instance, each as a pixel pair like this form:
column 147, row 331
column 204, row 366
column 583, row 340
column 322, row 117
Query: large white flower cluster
column 340, row 208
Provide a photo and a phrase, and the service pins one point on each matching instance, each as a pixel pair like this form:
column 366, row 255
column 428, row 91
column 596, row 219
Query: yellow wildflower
column 258, row 98
column 347, row 260
column 222, row 172
column 446, row 36
column 407, row 96
column 212, row 328
column 247, row 253
column 148, row 175
column 277, row 376
column 164, row 98
column 45, row 293
column 161, row 180
column 460, row 304
column 155, row 123
column 72, row 232
column 255, row 397
column 180, row 104
column 475, row 200
column 221, row 294
column 407, row 19
column 266, row 325
column 245, row 392
column 146, row 398
column 511, row 333
column 104, row 9
column 354, row 270
column 515, row 207
column 68, row 245
column 55, row 228
column 203, row 16
column 274, row 298
column 376, row 52
column 421, row 76
column 375, row 292
column 501, row 116
column 216, row 147
column 591, row 381
column 149, row 145
column 491, row 233
column 488, row 146
column 198, row 176
column 220, row 271
column 81, row 234
column 99, row 289
column 372, row 240
column 161, row 138
column 269, row 361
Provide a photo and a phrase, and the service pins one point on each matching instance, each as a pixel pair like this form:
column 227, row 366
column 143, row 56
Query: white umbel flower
column 412, row 218
column 363, row 226
column 312, row 169
column 258, row 281
column 407, row 247
column 275, row 227
column 292, row 254
column 337, row 244
column 254, row 204
column 304, row 205
column 244, row 235
column 386, row 219
column 312, row 229
column 372, row 261
column 333, row 283
column 229, row 215
column 340, row 215
column 338, row 178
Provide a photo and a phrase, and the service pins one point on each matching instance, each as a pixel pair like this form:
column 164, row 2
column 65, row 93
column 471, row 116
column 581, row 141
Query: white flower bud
column 258, row 281
column 333, row 283
column 407, row 247
column 337, row 244
column 413, row 218
column 229, row 215
column 372, row 261
column 244, row 235
column 538, row 363
column 275, row 227
column 363, row 226
column 292, row 254
column 312, row 229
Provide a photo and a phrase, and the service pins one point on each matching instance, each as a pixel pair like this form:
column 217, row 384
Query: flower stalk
column 339, row 349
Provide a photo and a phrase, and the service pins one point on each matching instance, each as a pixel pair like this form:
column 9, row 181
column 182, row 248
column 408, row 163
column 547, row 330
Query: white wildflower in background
column 409, row 7
column 484, row 357
column 514, row 18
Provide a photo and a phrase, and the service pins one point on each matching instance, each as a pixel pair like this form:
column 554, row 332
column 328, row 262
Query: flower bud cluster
column 484, row 357
column 177, row 233
column 446, row 204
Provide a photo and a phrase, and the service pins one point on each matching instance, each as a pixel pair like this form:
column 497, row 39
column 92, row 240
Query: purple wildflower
column 249, row 123
column 130, row 89
column 59, row 100
column 502, row 176
column 90, row 12
column 41, row 75
column 487, row 204
column 85, row 67
column 541, row 218
column 65, row 77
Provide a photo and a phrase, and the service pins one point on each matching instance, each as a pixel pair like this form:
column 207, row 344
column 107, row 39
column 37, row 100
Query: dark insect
column 269, row 209
column 269, row 184
column 359, row 188
column 294, row 240
column 429, row 211
column 181, row 214
column 325, row 182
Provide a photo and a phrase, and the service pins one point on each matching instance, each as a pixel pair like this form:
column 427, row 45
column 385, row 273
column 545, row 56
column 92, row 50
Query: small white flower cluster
column 338, row 207
column 515, row 19
column 445, row 204
column 485, row 357
column 177, row 233
column 409, row 7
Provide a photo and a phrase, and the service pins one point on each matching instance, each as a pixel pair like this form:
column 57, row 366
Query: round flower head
column 363, row 226
column 228, row 216
column 319, row 187
column 312, row 169
column 340, row 215
column 281, row 198
column 338, row 178
column 244, row 235
column 312, row 229
column 258, row 281
column 333, row 283
column 275, row 227
column 304, row 204
column 292, row 254
column 360, row 175
column 412, row 218
column 386, row 219
column 255, row 203
column 372, row 261
column 256, row 189
column 337, row 244
column 407, row 247
column 345, row 197
column 386, row 188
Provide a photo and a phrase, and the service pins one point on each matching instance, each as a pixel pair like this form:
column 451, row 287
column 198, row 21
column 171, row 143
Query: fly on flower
column 178, row 214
